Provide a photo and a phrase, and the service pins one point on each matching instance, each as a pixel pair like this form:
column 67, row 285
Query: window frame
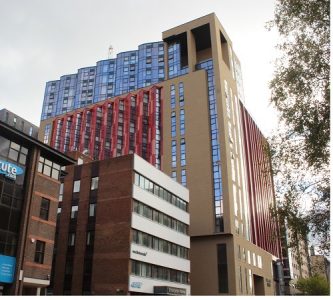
column 44, row 211
column 39, row 252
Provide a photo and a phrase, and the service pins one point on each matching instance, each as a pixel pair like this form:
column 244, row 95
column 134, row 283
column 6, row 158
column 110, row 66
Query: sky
column 41, row 40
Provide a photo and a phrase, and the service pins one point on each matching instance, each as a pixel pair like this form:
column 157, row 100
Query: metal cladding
column 119, row 126
column 260, row 187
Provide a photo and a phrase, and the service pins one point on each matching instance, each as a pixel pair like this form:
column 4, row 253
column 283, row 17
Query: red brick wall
column 112, row 226
column 39, row 229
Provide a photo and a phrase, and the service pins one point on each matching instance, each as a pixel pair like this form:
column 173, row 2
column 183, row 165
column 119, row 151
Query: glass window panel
column 76, row 187
column 94, row 183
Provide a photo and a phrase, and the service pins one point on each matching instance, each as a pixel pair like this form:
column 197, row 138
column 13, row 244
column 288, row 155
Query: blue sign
column 10, row 170
column 136, row 285
column 7, row 268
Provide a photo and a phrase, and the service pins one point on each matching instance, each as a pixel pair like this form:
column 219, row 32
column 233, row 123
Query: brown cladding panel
column 198, row 149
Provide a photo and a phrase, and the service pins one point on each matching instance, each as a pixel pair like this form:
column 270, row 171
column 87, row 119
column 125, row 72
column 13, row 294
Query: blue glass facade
column 111, row 77
column 174, row 61
column 215, row 144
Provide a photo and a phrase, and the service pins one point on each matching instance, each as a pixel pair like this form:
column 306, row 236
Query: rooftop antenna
column 110, row 55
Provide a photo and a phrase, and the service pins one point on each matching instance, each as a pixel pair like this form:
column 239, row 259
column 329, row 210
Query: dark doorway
column 259, row 285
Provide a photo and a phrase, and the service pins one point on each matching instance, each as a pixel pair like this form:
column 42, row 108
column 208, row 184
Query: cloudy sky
column 40, row 40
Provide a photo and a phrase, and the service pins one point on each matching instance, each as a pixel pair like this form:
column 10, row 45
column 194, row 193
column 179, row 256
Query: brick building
column 123, row 229
column 29, row 189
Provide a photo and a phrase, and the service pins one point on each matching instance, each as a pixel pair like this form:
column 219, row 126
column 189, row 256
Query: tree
column 316, row 285
column 301, row 94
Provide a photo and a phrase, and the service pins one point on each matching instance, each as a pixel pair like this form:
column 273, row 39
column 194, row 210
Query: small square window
column 13, row 154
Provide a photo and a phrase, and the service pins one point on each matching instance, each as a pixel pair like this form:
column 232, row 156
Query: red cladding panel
column 264, row 228
column 126, row 124
column 92, row 130
column 115, row 118
column 138, row 135
column 84, row 130
column 152, row 126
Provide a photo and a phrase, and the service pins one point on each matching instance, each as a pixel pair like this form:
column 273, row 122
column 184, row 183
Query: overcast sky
column 41, row 40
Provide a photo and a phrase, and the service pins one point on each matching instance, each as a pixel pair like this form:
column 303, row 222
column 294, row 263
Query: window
column 61, row 192
column 90, row 238
column 159, row 217
column 173, row 96
column 215, row 146
column 182, row 153
column 39, row 252
column 71, row 239
column 160, row 192
column 240, row 279
column 74, row 211
column 183, row 178
column 47, row 133
column 153, row 242
column 250, row 281
column 181, row 94
column 222, row 268
column 174, row 175
column 259, row 261
column 76, row 187
column 173, row 124
column 14, row 151
column 94, row 183
column 92, row 210
column 182, row 122
column 152, row 271
column 254, row 260
column 48, row 168
column 44, row 209
column 173, row 154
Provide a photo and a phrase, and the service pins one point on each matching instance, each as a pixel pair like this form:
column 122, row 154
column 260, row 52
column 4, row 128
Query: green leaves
column 316, row 285
column 301, row 94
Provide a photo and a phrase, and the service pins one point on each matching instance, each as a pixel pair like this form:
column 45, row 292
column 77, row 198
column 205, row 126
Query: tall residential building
column 123, row 229
column 204, row 138
column 29, row 187
column 131, row 70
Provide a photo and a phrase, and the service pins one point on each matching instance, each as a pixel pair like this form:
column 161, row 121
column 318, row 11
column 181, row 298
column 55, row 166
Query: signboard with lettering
column 136, row 284
column 139, row 252
column 9, row 169
column 7, row 268
column 169, row 290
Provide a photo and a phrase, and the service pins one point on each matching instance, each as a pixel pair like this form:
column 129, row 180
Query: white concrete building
column 160, row 242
